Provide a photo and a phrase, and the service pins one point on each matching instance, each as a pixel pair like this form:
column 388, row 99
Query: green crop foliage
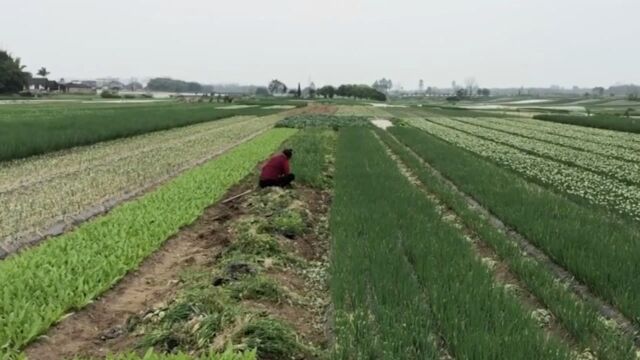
column 39, row 191
column 40, row 285
column 608, row 122
column 323, row 121
column 272, row 339
column 312, row 156
column 599, row 248
column 401, row 275
column 257, row 288
column 41, row 128
column 581, row 319
column 289, row 223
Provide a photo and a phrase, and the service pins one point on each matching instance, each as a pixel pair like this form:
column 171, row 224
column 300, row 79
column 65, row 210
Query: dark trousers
column 280, row 182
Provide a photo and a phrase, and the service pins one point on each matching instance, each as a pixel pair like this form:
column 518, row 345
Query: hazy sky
column 499, row 42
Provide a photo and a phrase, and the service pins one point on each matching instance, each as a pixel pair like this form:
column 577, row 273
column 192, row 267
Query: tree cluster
column 360, row 92
column 171, row 85
column 13, row 78
column 277, row 87
column 327, row 91
column 383, row 85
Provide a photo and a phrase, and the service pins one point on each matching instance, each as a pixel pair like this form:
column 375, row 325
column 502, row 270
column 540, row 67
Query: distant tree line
column 13, row 78
column 352, row 91
column 172, row 85
column 383, row 85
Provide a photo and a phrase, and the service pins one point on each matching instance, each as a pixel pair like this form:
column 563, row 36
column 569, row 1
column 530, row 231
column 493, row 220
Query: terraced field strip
column 47, row 195
column 624, row 171
column 580, row 239
column 577, row 182
column 394, row 255
column 605, row 147
column 593, row 327
column 65, row 273
column 598, row 136
column 26, row 172
column 42, row 128
column 360, row 110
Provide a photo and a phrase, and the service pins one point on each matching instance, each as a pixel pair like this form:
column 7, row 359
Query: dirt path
column 98, row 328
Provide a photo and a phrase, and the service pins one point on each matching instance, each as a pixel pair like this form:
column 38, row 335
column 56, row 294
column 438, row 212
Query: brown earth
column 96, row 330
column 101, row 327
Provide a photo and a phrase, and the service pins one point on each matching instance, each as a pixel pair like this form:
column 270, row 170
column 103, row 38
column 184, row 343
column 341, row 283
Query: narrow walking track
column 581, row 290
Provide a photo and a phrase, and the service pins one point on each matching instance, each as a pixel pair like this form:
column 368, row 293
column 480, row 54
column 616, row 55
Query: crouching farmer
column 276, row 171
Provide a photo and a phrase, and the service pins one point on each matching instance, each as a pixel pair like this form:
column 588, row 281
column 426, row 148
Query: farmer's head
column 288, row 153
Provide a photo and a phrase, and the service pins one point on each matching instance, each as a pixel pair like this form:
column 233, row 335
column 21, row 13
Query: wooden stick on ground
column 237, row 196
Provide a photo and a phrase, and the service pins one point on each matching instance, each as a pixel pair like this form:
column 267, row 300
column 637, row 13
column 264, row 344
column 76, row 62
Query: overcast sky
column 499, row 42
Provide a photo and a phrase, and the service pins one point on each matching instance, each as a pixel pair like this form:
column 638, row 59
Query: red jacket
column 275, row 168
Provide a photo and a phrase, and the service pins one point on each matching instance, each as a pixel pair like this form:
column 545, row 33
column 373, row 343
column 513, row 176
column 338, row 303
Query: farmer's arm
column 286, row 169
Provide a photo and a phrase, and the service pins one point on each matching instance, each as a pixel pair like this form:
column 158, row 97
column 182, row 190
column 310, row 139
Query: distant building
column 91, row 83
column 38, row 83
column 78, row 88
column 114, row 86
column 53, row 85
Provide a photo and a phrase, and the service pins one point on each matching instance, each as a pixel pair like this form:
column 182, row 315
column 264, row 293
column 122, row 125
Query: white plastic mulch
column 284, row 107
column 531, row 101
column 384, row 105
column 233, row 107
column 382, row 123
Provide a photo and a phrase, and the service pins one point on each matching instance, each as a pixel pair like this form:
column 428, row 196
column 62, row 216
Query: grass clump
column 256, row 244
column 229, row 354
column 257, row 288
column 289, row 223
column 272, row 339
column 270, row 201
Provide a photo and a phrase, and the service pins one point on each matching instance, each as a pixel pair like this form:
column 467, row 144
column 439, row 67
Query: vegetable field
column 72, row 270
column 448, row 234
column 44, row 193
column 41, row 128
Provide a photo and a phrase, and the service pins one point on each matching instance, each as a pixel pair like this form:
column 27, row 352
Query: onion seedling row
column 580, row 318
column 386, row 235
column 599, row 248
